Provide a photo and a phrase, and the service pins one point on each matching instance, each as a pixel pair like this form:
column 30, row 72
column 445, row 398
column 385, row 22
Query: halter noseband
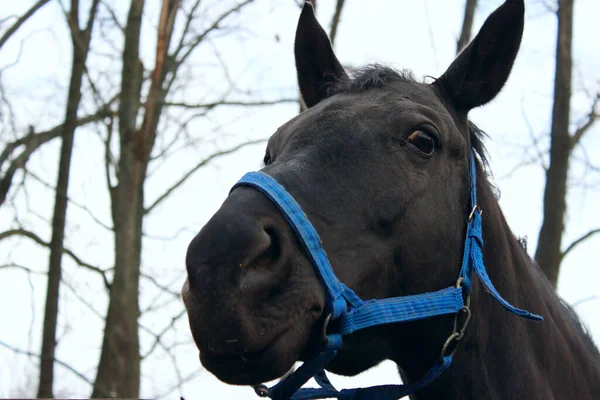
column 355, row 314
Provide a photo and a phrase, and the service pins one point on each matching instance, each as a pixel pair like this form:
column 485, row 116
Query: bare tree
column 118, row 371
column 150, row 124
column 81, row 41
column 549, row 252
column 119, row 368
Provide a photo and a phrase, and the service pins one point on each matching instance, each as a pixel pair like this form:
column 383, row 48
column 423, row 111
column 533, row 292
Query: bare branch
column 578, row 242
column 210, row 106
column 38, row 139
column 161, row 287
column 188, row 23
column 82, row 299
column 585, row 300
column 113, row 17
column 81, row 206
column 535, row 141
column 201, row 164
column 590, row 119
column 91, row 17
column 21, row 267
column 157, row 337
column 40, row 241
column 59, row 362
column 335, row 20
column 178, row 60
column 32, row 142
column 517, row 167
column 21, row 21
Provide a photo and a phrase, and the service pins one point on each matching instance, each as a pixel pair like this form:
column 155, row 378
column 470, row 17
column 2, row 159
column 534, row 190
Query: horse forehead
column 409, row 97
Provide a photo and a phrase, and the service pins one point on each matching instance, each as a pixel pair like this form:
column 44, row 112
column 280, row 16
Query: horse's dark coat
column 392, row 221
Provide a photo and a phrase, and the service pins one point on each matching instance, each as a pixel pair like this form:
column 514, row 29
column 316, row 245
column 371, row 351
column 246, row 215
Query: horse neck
column 504, row 356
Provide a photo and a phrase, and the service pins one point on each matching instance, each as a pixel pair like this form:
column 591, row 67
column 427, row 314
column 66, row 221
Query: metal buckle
column 475, row 208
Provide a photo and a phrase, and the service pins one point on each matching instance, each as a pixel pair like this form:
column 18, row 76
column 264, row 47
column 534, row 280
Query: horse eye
column 422, row 141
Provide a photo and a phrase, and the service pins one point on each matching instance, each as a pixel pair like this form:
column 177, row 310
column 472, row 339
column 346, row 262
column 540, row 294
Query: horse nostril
column 266, row 264
column 266, row 251
column 273, row 252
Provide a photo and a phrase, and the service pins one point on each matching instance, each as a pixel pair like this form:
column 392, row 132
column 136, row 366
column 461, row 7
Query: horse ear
column 480, row 71
column 316, row 64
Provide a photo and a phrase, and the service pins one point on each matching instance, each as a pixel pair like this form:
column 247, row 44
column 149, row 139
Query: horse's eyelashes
column 422, row 141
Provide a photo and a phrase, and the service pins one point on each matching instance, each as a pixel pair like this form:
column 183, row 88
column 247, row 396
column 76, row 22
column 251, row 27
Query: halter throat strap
column 355, row 314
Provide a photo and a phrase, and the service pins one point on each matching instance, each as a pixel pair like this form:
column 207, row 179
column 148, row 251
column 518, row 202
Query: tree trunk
column 119, row 368
column 81, row 40
column 548, row 252
column 467, row 27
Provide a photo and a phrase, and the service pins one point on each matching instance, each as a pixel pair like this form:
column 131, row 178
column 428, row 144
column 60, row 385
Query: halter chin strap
column 355, row 314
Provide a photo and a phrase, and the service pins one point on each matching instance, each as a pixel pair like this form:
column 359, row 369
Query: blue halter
column 355, row 314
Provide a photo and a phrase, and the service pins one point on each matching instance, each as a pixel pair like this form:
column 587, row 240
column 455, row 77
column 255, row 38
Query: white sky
column 417, row 35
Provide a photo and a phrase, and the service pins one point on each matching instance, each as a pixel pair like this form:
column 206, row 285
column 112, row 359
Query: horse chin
column 269, row 363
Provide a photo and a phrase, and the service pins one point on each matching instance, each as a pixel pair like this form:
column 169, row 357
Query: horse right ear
column 482, row 68
column 316, row 64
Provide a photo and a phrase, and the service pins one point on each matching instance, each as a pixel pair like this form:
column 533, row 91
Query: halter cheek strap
column 355, row 314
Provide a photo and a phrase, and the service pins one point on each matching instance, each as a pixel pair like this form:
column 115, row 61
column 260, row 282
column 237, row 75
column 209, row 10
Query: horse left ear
column 480, row 71
column 316, row 64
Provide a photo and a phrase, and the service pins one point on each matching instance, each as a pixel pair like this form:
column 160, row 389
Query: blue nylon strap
column 383, row 392
column 402, row 309
column 309, row 237
column 323, row 380
column 473, row 256
column 476, row 256
column 473, row 174
column 285, row 389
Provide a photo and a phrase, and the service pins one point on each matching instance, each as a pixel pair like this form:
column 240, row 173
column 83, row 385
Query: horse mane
column 377, row 76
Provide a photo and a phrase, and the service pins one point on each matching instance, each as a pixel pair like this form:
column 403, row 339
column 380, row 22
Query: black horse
column 380, row 164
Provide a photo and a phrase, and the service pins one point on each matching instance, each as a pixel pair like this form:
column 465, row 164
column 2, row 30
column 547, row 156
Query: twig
column 59, row 362
column 589, row 121
column 579, row 241
column 157, row 337
column 231, row 103
column 585, row 300
column 21, row 21
column 40, row 241
column 202, row 163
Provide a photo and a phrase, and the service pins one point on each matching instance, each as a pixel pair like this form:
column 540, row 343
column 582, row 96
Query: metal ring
column 325, row 324
column 466, row 321
column 453, row 337
column 261, row 390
